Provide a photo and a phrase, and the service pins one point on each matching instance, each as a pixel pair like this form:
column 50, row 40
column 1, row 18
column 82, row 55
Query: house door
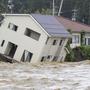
column 11, row 49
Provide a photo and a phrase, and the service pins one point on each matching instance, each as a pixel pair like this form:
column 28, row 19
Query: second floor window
column 13, row 27
column 32, row 34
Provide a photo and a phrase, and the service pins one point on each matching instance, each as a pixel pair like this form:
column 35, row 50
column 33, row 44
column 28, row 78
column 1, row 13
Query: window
column 75, row 39
column 47, row 40
column 49, row 56
column 11, row 49
column 12, row 27
column 61, row 41
column 87, row 40
column 54, row 42
column 27, row 56
column 55, row 58
column 32, row 34
column 2, row 43
column 43, row 58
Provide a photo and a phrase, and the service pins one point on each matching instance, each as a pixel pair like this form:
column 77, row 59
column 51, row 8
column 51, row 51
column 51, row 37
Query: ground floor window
column 42, row 59
column 75, row 39
column 11, row 49
column 87, row 41
column 27, row 56
column 55, row 58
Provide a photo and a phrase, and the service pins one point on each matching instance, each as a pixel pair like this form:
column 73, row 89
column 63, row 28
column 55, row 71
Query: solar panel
column 51, row 24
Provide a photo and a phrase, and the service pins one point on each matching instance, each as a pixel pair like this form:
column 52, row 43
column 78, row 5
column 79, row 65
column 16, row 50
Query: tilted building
column 33, row 38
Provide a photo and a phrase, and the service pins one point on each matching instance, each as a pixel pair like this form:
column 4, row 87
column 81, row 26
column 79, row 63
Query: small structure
column 33, row 38
column 80, row 32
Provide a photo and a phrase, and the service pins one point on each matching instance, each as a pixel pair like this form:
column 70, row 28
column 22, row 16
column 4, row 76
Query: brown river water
column 45, row 76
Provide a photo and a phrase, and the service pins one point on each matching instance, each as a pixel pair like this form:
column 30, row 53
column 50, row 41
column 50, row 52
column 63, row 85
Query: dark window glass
column 2, row 43
column 12, row 27
column 27, row 56
column 60, row 42
column 42, row 59
column 47, row 40
column 54, row 42
column 49, row 56
column 55, row 58
column 32, row 34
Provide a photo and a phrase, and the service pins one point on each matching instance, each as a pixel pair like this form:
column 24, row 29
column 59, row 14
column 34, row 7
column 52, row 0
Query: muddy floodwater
column 45, row 76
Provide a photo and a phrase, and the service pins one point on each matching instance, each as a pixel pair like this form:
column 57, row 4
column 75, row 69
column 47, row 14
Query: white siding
column 18, row 37
column 55, row 50
column 23, row 42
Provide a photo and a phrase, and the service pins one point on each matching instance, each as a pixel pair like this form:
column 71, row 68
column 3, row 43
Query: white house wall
column 63, row 52
column 55, row 50
column 17, row 37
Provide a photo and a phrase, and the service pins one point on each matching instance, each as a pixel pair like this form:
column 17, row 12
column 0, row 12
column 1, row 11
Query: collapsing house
column 33, row 38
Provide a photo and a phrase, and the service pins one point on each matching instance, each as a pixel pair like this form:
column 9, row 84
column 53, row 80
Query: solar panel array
column 51, row 25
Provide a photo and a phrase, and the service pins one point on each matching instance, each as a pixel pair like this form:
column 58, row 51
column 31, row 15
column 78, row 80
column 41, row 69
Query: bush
column 79, row 53
column 70, row 56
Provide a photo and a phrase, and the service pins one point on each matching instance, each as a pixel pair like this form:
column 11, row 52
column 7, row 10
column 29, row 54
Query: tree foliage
column 45, row 7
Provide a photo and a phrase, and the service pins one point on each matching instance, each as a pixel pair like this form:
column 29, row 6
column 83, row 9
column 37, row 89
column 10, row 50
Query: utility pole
column 10, row 5
column 53, row 8
column 60, row 8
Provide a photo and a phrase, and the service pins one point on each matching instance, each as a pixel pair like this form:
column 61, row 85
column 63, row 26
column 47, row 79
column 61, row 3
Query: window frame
column 13, row 27
column 76, row 39
column 55, row 42
column 3, row 41
column 61, row 42
column 30, row 31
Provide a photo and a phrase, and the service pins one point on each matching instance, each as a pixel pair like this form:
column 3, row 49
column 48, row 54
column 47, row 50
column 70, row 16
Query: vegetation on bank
column 78, row 54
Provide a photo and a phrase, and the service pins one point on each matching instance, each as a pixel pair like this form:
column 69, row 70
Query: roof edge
column 40, row 25
column 8, row 14
column 73, row 21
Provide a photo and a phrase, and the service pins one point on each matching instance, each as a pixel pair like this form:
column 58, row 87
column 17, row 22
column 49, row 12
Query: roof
column 51, row 25
column 73, row 26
